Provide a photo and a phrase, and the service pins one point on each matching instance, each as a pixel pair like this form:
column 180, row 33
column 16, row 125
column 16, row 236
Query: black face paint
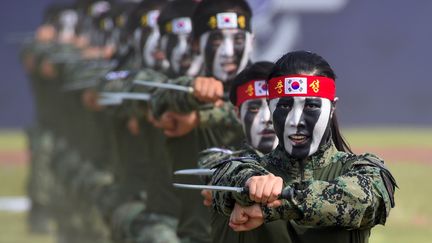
column 257, row 124
column 179, row 62
column 224, row 51
column 302, row 124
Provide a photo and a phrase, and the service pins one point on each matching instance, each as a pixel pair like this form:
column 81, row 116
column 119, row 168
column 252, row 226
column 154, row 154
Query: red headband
column 302, row 85
column 255, row 89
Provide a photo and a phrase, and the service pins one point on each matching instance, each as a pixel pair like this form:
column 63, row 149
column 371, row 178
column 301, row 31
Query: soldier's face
column 257, row 125
column 226, row 52
column 302, row 124
column 177, row 49
column 149, row 40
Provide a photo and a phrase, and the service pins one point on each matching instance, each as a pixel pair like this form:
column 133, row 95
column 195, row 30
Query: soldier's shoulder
column 368, row 159
column 182, row 80
column 348, row 159
column 148, row 74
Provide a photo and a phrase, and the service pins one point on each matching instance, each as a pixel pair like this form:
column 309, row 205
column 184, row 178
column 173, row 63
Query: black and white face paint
column 150, row 42
column 302, row 124
column 68, row 20
column 257, row 125
column 177, row 46
column 226, row 52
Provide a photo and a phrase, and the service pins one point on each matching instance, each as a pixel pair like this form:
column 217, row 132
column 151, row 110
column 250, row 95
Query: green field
column 410, row 221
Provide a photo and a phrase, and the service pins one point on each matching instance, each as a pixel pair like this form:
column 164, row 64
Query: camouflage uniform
column 218, row 127
column 51, row 105
column 221, row 232
column 40, row 141
column 143, row 209
column 75, row 158
column 337, row 196
column 88, row 134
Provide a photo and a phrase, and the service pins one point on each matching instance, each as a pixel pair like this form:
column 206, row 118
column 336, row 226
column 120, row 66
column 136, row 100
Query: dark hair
column 176, row 9
column 256, row 71
column 304, row 62
column 51, row 14
column 143, row 7
column 207, row 8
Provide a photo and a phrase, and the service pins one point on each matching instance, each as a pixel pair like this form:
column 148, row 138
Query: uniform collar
column 320, row 159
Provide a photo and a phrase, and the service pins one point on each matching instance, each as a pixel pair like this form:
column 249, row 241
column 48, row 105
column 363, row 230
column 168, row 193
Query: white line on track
column 14, row 204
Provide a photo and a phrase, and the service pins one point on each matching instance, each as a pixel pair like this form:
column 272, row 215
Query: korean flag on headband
column 261, row 88
column 295, row 85
column 182, row 26
column 152, row 18
column 227, row 20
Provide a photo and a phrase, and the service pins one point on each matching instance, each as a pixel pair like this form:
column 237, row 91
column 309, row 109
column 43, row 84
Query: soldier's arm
column 222, row 115
column 234, row 172
column 171, row 100
column 361, row 197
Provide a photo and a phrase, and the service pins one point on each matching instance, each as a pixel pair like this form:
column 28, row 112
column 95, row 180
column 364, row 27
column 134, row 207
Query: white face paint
column 68, row 20
column 226, row 52
column 257, row 125
column 150, row 46
column 151, row 43
column 179, row 52
column 302, row 123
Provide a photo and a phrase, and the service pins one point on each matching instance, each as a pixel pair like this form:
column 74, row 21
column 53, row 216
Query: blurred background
column 380, row 51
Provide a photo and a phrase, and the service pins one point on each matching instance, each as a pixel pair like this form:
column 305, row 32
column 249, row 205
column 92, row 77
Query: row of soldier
column 103, row 152
column 129, row 92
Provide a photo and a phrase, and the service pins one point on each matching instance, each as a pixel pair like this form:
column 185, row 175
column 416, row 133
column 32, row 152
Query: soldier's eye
column 312, row 105
column 253, row 108
column 283, row 106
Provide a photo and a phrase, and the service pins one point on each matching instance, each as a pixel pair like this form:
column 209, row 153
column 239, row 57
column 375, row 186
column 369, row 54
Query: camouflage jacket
column 183, row 102
column 274, row 231
column 212, row 157
column 123, row 81
column 330, row 188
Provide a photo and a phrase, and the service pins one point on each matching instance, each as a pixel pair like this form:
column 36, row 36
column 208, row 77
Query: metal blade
column 164, row 86
column 109, row 101
column 212, row 188
column 195, row 172
column 126, row 95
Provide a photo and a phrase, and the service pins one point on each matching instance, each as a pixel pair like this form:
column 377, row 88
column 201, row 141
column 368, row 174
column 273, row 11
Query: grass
column 12, row 140
column 13, row 230
column 410, row 221
column 389, row 137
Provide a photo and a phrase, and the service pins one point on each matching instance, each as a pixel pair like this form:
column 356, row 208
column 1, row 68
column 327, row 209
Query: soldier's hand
column 133, row 126
column 246, row 218
column 207, row 89
column 48, row 70
column 45, row 33
column 90, row 100
column 183, row 124
column 207, row 197
column 264, row 189
column 165, row 122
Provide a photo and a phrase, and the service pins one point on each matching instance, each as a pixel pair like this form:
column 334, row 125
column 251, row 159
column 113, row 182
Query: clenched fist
column 208, row 89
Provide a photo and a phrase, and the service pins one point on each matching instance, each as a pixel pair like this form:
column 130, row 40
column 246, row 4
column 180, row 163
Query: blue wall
column 379, row 49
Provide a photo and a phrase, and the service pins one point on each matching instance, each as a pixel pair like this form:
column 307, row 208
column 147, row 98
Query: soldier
column 143, row 204
column 249, row 94
column 331, row 195
column 39, row 184
column 76, row 157
column 190, row 123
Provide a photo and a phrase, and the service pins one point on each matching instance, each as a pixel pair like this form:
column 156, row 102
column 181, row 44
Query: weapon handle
column 286, row 193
